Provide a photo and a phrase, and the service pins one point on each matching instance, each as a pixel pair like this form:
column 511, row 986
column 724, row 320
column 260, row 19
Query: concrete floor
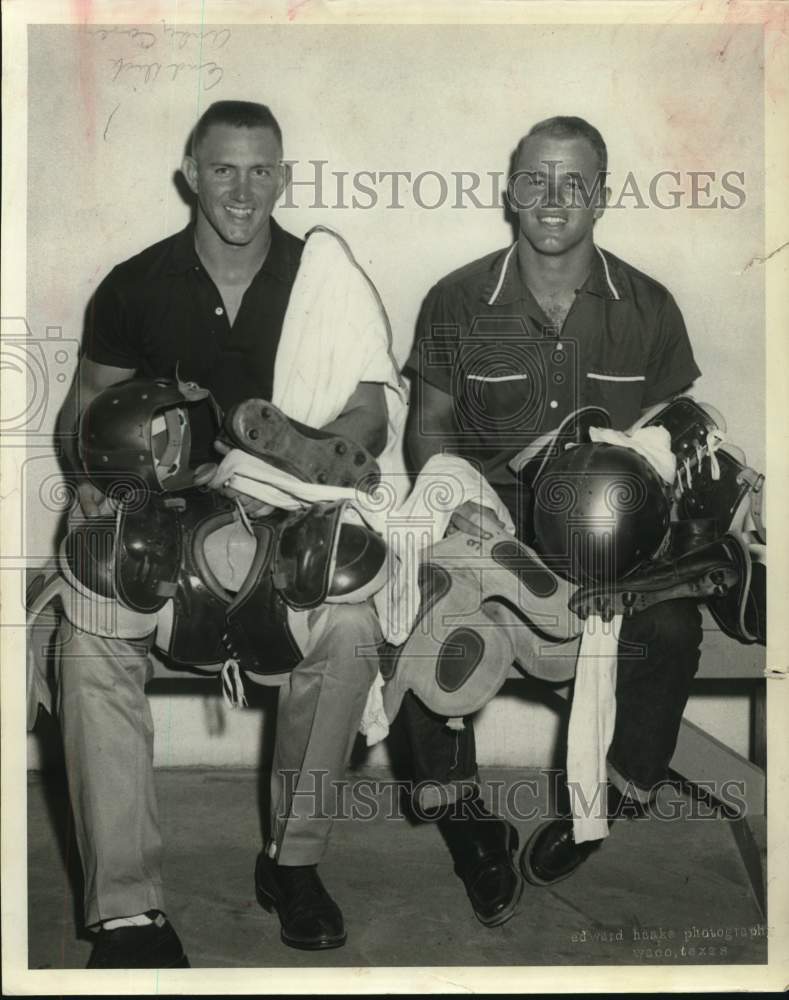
column 656, row 886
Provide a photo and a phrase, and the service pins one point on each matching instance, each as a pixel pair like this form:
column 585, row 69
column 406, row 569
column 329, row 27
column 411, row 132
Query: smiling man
column 506, row 349
column 212, row 301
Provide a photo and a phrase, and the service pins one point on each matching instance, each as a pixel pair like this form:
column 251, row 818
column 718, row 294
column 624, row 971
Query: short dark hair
column 241, row 114
column 569, row 127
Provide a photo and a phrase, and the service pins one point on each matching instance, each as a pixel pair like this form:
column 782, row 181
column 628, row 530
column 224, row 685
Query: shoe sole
column 504, row 915
column 269, row 904
column 262, row 430
column 528, row 872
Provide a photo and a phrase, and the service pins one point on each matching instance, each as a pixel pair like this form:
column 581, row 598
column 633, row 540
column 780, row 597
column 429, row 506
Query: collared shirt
column 160, row 309
column 483, row 338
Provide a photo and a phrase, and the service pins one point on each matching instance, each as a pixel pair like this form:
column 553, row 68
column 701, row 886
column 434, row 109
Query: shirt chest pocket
column 620, row 394
column 502, row 384
column 498, row 402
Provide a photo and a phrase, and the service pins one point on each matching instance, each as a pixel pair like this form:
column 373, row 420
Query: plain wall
column 106, row 135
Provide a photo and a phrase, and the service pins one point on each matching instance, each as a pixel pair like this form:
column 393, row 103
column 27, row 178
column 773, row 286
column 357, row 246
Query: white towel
column 336, row 334
column 652, row 443
column 593, row 711
column 591, row 729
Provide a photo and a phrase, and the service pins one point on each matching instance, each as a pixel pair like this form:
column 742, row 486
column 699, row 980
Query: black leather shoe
column 552, row 853
column 151, row 946
column 483, row 848
column 309, row 917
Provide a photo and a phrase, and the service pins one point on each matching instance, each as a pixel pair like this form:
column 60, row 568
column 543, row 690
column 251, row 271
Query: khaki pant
column 108, row 741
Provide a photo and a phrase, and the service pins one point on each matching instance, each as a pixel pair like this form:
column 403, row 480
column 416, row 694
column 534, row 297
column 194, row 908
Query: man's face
column 237, row 176
column 554, row 182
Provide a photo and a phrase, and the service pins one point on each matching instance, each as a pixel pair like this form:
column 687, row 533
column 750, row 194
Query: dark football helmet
column 137, row 434
column 600, row 510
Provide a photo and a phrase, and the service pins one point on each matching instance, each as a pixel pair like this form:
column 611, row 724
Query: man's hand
column 91, row 499
column 475, row 520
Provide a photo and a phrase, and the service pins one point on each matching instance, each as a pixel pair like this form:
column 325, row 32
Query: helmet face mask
column 137, row 435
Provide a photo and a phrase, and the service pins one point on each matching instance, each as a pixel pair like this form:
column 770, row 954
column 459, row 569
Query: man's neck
column 228, row 264
column 552, row 275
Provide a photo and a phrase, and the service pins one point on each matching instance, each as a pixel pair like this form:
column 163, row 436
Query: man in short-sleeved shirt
column 506, row 348
column 160, row 312
column 161, row 309
column 210, row 303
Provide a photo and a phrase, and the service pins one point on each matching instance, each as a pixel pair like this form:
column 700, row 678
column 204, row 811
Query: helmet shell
column 117, row 444
column 600, row 511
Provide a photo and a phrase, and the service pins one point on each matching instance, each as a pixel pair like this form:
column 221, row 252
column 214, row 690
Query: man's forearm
column 363, row 427
column 420, row 447
column 68, row 430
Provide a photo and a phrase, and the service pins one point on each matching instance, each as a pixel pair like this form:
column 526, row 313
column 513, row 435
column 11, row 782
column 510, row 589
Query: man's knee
column 349, row 643
column 93, row 663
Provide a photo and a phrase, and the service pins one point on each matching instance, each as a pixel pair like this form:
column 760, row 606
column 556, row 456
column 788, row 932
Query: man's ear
column 189, row 170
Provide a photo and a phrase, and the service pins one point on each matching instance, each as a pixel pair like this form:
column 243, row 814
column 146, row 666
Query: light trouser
column 108, row 742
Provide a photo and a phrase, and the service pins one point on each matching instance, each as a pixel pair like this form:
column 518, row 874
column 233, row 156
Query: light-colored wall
column 106, row 135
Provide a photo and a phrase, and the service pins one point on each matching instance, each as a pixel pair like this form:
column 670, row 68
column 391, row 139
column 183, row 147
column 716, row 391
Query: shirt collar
column 505, row 286
column 279, row 262
column 605, row 278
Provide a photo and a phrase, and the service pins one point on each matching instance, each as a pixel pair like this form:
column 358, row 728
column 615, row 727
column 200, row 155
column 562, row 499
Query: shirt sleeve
column 434, row 351
column 109, row 339
column 671, row 366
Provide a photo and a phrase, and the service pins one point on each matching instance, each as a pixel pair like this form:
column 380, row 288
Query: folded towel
column 336, row 334
column 593, row 711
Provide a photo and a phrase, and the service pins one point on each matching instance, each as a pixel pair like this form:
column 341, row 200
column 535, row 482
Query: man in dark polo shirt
column 211, row 300
column 506, row 348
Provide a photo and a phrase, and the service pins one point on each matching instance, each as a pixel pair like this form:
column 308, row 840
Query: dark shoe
column 152, row 946
column 309, row 916
column 552, row 853
column 483, row 847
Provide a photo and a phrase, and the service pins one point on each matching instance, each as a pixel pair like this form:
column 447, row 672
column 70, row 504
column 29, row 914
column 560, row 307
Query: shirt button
column 219, row 311
column 553, row 404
